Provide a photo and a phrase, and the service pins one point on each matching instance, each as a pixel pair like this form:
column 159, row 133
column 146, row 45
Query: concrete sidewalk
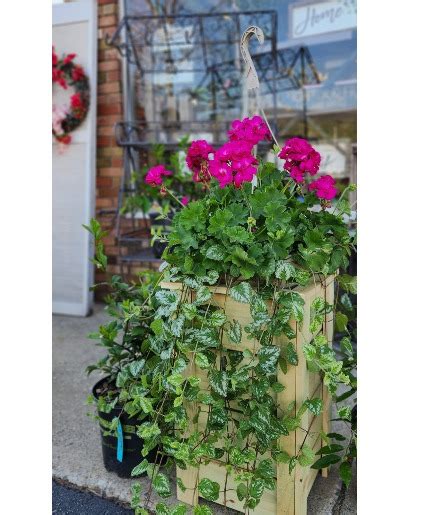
column 77, row 454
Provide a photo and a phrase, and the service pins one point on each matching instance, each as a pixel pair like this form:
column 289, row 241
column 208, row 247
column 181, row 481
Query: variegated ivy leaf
column 216, row 319
column 215, row 252
column 177, row 326
column 235, row 332
column 210, row 490
column 285, row 270
column 189, row 311
column 203, row 295
column 219, row 381
column 241, row 293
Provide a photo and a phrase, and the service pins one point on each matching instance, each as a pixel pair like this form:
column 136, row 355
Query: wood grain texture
column 290, row 496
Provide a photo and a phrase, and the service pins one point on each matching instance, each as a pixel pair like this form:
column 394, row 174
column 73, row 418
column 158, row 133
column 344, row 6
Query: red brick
column 105, row 141
column 110, row 98
column 104, row 202
column 103, row 2
column 109, row 120
column 105, row 109
column 104, row 181
column 110, row 172
column 108, row 21
column 103, row 162
column 111, row 87
column 113, row 76
column 107, row 130
column 107, row 66
column 116, row 161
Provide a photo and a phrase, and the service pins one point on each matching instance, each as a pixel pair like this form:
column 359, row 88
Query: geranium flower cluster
column 300, row 158
column 233, row 163
column 197, row 160
column 324, row 187
column 251, row 130
column 155, row 175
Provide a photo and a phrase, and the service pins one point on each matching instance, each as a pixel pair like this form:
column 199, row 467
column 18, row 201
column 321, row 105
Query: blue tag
column 120, row 442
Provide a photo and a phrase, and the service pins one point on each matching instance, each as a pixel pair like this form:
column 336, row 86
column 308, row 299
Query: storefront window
column 186, row 71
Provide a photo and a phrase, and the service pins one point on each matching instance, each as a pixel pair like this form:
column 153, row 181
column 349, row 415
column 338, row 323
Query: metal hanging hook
column 251, row 76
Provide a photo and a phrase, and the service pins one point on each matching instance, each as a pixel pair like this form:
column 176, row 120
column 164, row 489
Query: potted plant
column 125, row 396
column 159, row 204
column 244, row 326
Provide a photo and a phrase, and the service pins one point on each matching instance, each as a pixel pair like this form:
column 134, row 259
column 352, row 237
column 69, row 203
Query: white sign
column 322, row 17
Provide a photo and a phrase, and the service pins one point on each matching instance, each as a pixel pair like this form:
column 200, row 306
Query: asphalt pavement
column 67, row 501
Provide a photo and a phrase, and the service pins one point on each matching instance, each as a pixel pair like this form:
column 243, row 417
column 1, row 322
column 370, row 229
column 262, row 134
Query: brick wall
column 109, row 111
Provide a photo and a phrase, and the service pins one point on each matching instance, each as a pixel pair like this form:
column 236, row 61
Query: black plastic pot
column 133, row 445
column 158, row 246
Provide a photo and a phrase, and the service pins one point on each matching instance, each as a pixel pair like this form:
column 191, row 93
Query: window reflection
column 187, row 75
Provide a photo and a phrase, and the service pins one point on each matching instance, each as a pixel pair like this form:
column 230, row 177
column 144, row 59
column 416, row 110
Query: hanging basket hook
column 251, row 76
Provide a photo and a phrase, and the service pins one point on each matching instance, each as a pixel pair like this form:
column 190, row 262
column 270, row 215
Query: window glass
column 186, row 75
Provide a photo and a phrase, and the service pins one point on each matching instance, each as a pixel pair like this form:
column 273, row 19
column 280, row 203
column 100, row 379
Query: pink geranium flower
column 251, row 130
column 300, row 158
column 324, row 187
column 222, row 172
column 155, row 174
column 185, row 200
column 197, row 160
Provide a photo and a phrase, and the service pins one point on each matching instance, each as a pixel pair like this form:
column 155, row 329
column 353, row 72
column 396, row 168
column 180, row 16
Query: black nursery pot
column 158, row 246
column 133, row 445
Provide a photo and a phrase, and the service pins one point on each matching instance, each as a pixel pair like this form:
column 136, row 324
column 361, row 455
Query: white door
column 74, row 169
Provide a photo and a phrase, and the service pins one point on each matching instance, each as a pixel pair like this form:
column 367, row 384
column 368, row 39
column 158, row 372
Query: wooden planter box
column 290, row 495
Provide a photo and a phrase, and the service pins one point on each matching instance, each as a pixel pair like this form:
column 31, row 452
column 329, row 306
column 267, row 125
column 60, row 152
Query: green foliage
column 167, row 350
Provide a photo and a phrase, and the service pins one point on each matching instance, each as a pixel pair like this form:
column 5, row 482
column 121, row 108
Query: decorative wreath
column 66, row 73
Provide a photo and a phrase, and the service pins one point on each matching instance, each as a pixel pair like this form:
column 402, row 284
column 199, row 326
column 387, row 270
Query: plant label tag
column 120, row 442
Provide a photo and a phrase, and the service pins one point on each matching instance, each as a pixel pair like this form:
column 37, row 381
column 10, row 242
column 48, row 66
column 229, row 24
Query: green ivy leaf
column 330, row 449
column 241, row 293
column 145, row 404
column 341, row 321
column 148, row 430
column 307, row 456
column 326, row 461
column 282, row 457
column 180, row 484
column 162, row 509
column 201, row 509
column 348, row 283
column 241, row 491
column 345, row 473
column 180, row 509
column 210, row 490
